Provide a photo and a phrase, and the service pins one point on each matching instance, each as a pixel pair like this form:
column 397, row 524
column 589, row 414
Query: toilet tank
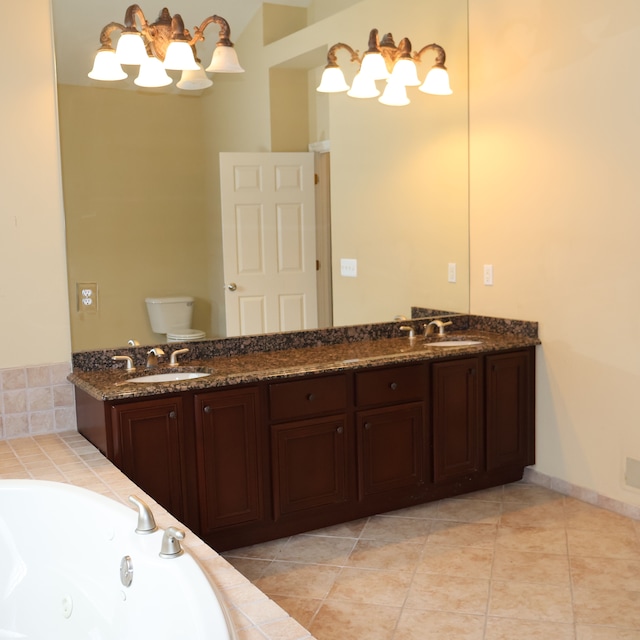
column 169, row 314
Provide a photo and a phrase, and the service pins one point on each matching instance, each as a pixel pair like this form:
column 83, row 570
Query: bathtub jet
column 74, row 567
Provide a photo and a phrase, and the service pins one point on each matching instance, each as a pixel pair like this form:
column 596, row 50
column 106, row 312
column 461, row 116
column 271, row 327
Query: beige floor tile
column 548, row 514
column 603, row 544
column 302, row 609
column 531, row 494
column 605, row 573
column 461, row 510
column 527, row 566
column 463, row 534
column 351, row 529
column 612, row 607
column 495, row 494
column 437, row 592
column 394, row 528
column 506, row 629
column 547, row 540
column 298, row 580
column 383, row 554
column 587, row 632
column 316, row 550
column 469, row 562
column 437, row 625
column 524, row 601
column 371, row 587
column 426, row 510
column 264, row 551
column 580, row 515
column 251, row 568
column 354, row 621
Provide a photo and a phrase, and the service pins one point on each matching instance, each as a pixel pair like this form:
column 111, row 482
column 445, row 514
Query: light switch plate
column 349, row 267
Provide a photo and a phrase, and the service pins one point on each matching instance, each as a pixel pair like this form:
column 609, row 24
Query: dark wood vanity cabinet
column 229, row 459
column 391, row 434
column 250, row 463
column 148, row 446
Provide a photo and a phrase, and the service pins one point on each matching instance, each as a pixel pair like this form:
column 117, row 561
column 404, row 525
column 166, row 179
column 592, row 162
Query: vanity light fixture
column 384, row 61
column 160, row 46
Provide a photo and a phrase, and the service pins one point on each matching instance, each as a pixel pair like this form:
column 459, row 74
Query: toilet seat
column 185, row 335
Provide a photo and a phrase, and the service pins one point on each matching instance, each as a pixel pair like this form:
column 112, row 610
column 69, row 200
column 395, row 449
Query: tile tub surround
column 68, row 457
column 519, row 561
column 36, row 400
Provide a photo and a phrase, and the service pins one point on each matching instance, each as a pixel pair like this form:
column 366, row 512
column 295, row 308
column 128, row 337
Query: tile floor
column 516, row 562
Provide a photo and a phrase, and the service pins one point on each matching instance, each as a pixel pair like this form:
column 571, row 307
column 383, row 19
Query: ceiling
column 77, row 25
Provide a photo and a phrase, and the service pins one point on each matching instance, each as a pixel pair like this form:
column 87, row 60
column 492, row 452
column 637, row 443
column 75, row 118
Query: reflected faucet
column 152, row 357
column 431, row 327
column 408, row 330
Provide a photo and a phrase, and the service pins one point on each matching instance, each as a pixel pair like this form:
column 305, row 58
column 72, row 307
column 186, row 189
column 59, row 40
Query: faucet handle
column 173, row 360
column 409, row 330
column 129, row 361
column 171, row 543
column 146, row 521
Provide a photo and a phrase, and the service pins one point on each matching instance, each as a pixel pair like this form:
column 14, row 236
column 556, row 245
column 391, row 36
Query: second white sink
column 453, row 343
column 169, row 377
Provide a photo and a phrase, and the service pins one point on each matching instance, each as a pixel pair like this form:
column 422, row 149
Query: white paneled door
column 268, row 239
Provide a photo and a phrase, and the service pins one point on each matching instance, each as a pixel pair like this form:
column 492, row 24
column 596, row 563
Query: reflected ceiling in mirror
column 141, row 169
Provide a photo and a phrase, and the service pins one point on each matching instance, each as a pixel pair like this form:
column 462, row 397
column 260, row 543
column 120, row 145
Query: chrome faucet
column 431, row 327
column 173, row 359
column 152, row 357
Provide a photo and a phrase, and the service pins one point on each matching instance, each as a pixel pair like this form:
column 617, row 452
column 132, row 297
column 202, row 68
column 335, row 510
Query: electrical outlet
column 349, row 267
column 87, row 296
column 488, row 274
column 451, row 272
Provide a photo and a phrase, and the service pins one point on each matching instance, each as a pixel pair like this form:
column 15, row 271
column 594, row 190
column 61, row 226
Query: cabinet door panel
column 456, row 419
column 391, row 449
column 508, row 410
column 148, row 435
column 227, row 458
column 309, row 464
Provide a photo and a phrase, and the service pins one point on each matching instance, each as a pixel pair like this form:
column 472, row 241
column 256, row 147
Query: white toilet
column 173, row 317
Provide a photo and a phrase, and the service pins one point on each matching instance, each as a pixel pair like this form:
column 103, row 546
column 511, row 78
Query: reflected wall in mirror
column 141, row 170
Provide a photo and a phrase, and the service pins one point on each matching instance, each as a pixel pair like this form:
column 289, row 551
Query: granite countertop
column 112, row 383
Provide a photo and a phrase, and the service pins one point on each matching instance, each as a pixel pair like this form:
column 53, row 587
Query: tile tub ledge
column 67, row 457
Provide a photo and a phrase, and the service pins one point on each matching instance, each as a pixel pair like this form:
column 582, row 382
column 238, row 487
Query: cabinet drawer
column 312, row 396
column 386, row 386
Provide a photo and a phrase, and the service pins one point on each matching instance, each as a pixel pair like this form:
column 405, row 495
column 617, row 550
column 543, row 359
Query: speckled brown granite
column 112, row 382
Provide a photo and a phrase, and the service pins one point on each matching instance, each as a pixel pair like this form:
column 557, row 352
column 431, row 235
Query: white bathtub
column 60, row 553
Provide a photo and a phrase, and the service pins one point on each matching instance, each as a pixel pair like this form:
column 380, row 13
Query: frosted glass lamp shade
column 194, row 80
column 332, row 81
column 106, row 66
column 405, row 72
column 152, row 74
column 437, row 82
column 374, row 66
column 363, row 87
column 131, row 49
column 179, row 57
column 395, row 95
column 225, row 60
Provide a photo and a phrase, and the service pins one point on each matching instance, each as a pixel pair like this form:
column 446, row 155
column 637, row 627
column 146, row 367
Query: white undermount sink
column 453, row 343
column 173, row 376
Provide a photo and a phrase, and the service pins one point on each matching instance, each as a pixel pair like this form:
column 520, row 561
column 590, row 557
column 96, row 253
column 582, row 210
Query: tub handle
column 146, row 521
column 171, row 543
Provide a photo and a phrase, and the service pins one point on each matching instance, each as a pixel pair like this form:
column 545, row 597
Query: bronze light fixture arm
column 440, row 57
column 105, row 35
column 134, row 11
column 332, row 58
column 224, row 35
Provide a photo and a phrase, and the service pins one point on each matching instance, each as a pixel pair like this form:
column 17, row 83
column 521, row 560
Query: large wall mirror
column 140, row 168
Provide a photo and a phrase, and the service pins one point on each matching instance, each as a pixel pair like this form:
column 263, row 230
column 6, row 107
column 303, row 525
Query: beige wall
column 34, row 321
column 554, row 196
column 555, row 150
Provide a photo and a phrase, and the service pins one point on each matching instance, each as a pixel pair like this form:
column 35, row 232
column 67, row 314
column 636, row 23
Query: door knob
column 232, row 286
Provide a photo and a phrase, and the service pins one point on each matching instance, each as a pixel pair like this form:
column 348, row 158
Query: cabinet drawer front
column 400, row 384
column 312, row 396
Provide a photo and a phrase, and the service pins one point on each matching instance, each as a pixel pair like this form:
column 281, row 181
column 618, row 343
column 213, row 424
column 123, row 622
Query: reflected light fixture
column 160, row 46
column 384, row 61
